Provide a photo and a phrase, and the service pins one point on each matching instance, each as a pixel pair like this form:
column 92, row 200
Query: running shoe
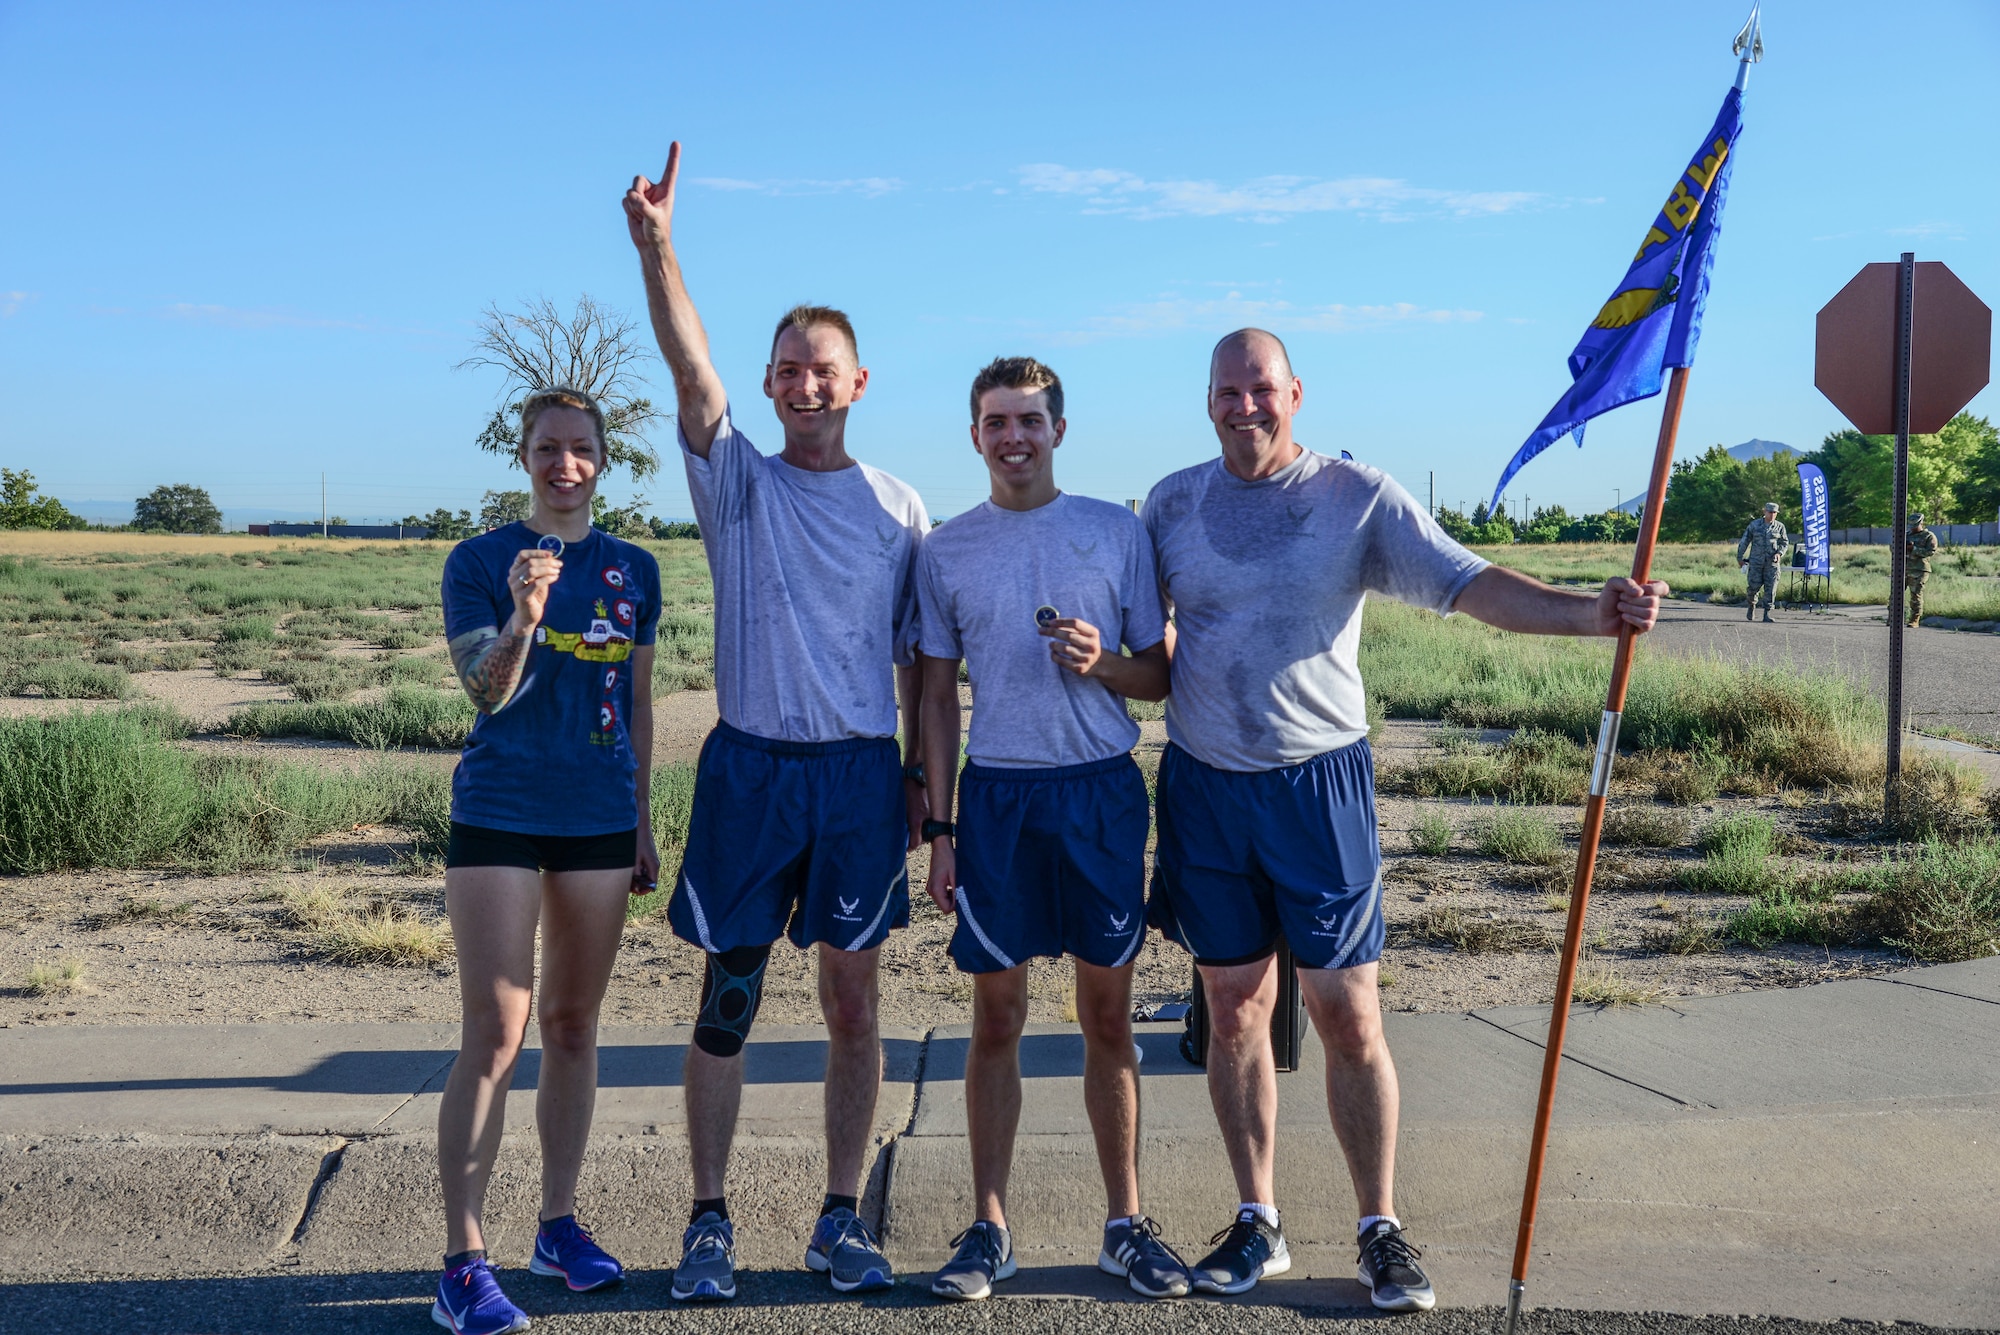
column 1133, row 1248
column 985, row 1256
column 1389, row 1269
column 1250, row 1249
column 707, row 1272
column 565, row 1250
column 845, row 1251
column 469, row 1302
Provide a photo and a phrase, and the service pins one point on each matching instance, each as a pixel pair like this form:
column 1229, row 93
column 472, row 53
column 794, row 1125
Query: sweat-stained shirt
column 815, row 590
column 557, row 758
column 1265, row 582
column 983, row 574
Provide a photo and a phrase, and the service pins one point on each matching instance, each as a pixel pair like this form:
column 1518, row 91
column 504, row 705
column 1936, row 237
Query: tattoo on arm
column 488, row 663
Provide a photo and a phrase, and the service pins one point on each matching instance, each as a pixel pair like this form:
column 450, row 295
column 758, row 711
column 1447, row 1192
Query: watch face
column 551, row 544
column 1046, row 615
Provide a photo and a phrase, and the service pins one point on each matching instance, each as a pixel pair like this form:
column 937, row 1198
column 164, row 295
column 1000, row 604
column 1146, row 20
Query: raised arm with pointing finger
column 649, row 215
column 802, row 809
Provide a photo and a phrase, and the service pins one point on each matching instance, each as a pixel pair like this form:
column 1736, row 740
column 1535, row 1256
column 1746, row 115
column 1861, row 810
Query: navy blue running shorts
column 1246, row 857
column 1050, row 862
column 798, row 838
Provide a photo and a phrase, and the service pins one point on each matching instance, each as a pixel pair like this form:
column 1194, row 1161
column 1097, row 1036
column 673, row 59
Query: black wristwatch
column 915, row 773
column 934, row 828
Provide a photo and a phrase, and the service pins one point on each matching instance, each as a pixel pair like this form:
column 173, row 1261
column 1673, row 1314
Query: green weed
column 1431, row 834
column 407, row 716
column 1522, row 837
column 1941, row 902
column 1646, row 827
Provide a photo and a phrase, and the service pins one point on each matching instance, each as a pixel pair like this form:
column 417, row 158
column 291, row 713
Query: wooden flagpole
column 1586, row 853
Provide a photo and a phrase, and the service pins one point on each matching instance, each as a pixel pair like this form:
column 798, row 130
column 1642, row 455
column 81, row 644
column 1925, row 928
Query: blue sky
column 245, row 245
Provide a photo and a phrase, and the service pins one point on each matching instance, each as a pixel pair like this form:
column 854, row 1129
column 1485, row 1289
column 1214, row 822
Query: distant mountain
column 1749, row 449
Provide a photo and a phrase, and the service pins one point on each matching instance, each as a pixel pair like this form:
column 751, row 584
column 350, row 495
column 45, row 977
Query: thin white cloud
column 1173, row 313
column 1930, row 231
column 13, row 301
column 868, row 186
column 1106, row 190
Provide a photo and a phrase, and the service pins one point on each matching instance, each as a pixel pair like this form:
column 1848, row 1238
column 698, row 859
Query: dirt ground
column 161, row 948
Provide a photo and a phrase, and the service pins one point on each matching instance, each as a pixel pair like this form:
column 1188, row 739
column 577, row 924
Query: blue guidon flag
column 1653, row 319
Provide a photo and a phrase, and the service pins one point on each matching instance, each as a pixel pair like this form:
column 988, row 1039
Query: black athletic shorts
column 477, row 846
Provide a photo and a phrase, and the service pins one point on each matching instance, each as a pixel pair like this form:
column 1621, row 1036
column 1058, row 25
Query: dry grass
column 1448, row 925
column 46, row 542
column 1646, row 827
column 54, row 980
column 384, row 933
column 1601, row 985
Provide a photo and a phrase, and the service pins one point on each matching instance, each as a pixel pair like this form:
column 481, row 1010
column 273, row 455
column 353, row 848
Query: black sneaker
column 1250, row 1249
column 1389, row 1269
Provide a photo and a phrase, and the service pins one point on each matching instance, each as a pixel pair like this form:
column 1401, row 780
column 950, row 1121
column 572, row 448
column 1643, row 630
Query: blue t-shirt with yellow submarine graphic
column 557, row 759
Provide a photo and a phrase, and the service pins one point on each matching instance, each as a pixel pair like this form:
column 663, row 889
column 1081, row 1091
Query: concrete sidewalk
column 1823, row 1152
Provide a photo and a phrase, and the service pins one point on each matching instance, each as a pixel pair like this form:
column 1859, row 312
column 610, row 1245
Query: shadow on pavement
column 387, row 1071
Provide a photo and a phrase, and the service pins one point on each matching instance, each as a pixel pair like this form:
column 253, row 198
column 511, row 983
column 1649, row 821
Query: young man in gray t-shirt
column 1266, row 792
column 1035, row 590
column 803, row 811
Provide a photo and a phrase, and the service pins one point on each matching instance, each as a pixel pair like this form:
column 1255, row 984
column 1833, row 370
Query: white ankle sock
column 1267, row 1213
column 1369, row 1221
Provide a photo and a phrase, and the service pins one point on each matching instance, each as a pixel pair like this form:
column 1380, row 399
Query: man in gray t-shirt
column 1036, row 590
column 803, row 811
column 1266, row 792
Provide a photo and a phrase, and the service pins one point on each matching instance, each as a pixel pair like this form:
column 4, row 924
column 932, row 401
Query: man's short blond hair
column 805, row 318
column 1019, row 373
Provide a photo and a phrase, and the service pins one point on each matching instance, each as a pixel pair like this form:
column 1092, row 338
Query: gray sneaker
column 985, row 1256
column 845, row 1251
column 1389, row 1268
column 707, row 1272
column 1133, row 1248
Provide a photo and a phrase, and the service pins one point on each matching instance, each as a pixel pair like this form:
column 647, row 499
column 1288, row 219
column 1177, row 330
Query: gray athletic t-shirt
column 982, row 574
column 1266, row 580
column 815, row 590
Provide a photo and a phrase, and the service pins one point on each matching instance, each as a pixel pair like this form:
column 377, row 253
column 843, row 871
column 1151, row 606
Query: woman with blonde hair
column 550, row 624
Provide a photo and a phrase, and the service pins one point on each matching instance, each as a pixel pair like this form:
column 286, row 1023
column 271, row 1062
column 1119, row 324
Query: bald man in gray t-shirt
column 1266, row 793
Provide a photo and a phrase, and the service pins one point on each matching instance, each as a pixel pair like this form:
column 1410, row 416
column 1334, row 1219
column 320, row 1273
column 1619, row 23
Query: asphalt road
column 771, row 1304
column 1950, row 677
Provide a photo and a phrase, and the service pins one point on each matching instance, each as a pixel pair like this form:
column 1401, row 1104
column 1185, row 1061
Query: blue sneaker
column 565, row 1250
column 707, row 1272
column 847, row 1253
column 469, row 1302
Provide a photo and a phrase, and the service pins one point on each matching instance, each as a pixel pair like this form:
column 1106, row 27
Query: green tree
column 180, row 508
column 500, row 508
column 20, row 507
column 594, row 349
column 1487, row 529
column 627, row 521
column 673, row 528
column 445, row 526
column 1979, row 493
column 1954, row 475
column 1712, row 498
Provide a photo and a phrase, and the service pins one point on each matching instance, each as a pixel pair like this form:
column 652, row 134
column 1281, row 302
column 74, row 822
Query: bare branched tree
column 594, row 349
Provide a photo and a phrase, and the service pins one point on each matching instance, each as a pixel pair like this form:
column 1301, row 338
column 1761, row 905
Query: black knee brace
column 732, row 987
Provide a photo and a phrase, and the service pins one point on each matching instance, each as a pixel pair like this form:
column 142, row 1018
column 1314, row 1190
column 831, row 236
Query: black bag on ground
column 1288, row 1021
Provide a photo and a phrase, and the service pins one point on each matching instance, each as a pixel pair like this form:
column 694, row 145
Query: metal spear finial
column 1748, row 47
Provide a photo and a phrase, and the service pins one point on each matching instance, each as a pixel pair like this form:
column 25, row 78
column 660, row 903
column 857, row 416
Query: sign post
column 1934, row 340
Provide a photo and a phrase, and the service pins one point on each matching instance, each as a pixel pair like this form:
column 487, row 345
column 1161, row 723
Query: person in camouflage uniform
column 1919, row 546
column 1760, row 551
